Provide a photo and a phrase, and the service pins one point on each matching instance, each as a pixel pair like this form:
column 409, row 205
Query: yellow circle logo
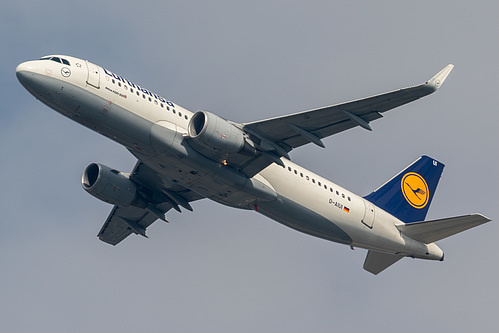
column 415, row 190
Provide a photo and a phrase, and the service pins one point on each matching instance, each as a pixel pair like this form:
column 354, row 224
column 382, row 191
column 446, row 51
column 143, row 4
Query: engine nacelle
column 109, row 185
column 215, row 133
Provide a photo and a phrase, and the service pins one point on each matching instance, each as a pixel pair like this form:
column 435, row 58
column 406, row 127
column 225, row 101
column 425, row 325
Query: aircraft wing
column 166, row 194
column 297, row 129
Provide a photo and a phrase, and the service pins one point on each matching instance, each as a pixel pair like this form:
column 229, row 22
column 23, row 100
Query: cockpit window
column 56, row 59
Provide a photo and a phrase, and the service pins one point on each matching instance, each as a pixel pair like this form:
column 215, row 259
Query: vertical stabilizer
column 408, row 195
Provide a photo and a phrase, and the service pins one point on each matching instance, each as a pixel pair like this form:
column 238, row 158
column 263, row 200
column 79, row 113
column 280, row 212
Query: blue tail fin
column 408, row 195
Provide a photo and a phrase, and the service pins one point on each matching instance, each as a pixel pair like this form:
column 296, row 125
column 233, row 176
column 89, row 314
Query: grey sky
column 222, row 270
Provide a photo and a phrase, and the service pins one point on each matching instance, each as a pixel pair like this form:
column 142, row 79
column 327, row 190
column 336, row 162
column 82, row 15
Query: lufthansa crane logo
column 66, row 72
column 415, row 190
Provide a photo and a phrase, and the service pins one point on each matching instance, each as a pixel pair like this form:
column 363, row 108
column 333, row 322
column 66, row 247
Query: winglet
column 437, row 81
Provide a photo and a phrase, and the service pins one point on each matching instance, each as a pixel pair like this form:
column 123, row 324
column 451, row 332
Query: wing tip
column 436, row 81
column 483, row 217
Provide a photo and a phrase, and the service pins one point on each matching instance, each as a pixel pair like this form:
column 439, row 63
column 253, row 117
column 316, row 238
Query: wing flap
column 118, row 227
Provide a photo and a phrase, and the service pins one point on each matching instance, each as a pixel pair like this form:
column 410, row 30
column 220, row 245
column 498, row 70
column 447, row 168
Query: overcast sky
column 218, row 269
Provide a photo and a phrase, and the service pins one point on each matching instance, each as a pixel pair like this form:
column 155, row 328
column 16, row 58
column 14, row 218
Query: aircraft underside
column 184, row 157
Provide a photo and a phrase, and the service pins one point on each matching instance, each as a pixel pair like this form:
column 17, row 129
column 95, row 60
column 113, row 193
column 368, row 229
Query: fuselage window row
column 144, row 97
column 318, row 183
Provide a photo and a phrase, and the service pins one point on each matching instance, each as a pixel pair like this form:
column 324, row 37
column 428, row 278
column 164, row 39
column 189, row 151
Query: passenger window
column 331, row 189
column 343, row 196
column 349, row 199
column 307, row 177
column 180, row 114
column 337, row 193
column 325, row 186
column 313, row 180
column 319, row 183
column 289, row 168
column 301, row 174
column 188, row 118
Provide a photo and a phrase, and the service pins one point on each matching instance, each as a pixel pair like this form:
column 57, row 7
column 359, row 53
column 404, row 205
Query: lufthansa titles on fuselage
column 136, row 86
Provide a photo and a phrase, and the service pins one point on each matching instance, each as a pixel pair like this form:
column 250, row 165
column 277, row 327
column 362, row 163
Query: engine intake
column 109, row 185
column 214, row 132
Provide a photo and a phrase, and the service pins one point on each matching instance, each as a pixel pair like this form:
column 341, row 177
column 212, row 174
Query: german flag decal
column 346, row 209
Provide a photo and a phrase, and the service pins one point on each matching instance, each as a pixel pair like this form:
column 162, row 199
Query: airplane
column 185, row 156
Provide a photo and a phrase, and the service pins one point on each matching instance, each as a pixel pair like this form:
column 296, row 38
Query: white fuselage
column 141, row 120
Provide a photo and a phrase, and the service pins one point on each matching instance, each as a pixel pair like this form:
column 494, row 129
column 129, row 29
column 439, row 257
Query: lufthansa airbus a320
column 184, row 156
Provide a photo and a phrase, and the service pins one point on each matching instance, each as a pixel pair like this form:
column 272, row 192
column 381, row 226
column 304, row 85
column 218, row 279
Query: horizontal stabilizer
column 434, row 230
column 377, row 262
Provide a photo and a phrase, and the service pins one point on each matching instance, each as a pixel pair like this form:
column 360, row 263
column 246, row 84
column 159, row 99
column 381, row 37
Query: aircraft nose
column 24, row 72
column 23, row 66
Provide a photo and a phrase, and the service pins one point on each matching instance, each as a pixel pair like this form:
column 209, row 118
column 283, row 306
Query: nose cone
column 25, row 73
column 25, row 66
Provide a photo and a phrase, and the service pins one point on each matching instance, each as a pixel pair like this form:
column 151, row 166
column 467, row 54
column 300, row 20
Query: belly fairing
column 300, row 218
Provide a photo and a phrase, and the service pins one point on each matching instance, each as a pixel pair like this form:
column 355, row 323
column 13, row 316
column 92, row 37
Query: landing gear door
column 93, row 77
column 369, row 213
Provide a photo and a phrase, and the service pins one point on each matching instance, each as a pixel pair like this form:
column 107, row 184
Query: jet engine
column 215, row 133
column 109, row 185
